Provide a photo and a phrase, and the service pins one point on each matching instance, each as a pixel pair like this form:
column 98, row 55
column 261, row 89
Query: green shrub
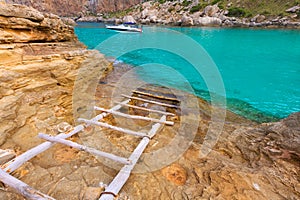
column 236, row 12
column 221, row 6
column 186, row 3
column 266, row 12
column 215, row 2
column 195, row 8
column 161, row 1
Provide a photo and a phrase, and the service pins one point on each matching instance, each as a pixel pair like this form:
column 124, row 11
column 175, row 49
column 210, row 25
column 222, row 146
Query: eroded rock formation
column 39, row 59
column 77, row 7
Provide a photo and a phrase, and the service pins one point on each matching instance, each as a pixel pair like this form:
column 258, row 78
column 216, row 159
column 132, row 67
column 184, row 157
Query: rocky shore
column 39, row 61
column 174, row 13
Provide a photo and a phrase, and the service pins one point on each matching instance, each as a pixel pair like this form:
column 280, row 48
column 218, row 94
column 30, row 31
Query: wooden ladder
column 112, row 190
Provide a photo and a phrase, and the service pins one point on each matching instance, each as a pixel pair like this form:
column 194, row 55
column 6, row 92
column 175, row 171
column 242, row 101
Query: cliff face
column 39, row 59
column 77, row 7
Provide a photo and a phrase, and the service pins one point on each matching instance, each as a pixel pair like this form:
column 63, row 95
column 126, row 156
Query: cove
column 260, row 68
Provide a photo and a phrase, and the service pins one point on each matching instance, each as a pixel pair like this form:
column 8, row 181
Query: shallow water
column 260, row 69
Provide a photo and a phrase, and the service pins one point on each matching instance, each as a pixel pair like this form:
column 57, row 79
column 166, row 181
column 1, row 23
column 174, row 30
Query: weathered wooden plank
column 85, row 148
column 146, row 109
column 115, row 108
column 155, row 96
column 6, row 155
column 150, row 101
column 134, row 116
column 127, row 131
column 22, row 188
column 118, row 182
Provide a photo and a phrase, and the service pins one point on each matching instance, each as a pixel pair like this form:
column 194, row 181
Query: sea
column 257, row 71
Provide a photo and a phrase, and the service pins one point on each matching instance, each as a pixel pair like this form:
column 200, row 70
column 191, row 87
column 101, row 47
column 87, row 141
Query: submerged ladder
column 112, row 190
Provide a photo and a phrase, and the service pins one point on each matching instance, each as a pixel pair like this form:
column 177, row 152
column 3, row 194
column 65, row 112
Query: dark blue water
column 260, row 69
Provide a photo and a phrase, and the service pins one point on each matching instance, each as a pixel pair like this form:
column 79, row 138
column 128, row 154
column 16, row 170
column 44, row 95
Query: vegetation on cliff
column 242, row 7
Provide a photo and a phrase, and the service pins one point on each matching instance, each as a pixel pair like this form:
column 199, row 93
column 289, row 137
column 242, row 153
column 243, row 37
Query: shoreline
column 288, row 26
column 247, row 111
column 217, row 27
column 186, row 14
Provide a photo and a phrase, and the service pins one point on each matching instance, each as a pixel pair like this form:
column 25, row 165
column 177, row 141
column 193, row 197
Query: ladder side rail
column 134, row 116
column 119, row 181
column 22, row 188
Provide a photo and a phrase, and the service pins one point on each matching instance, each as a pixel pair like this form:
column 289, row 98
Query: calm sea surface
column 259, row 69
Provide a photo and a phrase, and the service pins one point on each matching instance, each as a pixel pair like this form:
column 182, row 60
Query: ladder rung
column 85, row 148
column 150, row 101
column 130, row 132
column 146, row 109
column 134, row 116
column 115, row 108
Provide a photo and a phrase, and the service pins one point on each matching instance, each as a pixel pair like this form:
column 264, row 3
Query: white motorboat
column 126, row 27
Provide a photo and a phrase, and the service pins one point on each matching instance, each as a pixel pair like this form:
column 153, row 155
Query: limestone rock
column 20, row 24
column 209, row 21
column 211, row 11
column 39, row 61
column 129, row 19
column 21, row 11
column 175, row 174
column 187, row 21
column 258, row 18
column 77, row 7
column 293, row 9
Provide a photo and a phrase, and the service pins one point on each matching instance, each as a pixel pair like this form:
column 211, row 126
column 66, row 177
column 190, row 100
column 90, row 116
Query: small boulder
column 187, row 21
column 258, row 18
column 211, row 11
column 293, row 9
column 129, row 19
column 209, row 21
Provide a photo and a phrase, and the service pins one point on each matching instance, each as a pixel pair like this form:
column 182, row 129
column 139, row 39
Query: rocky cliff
column 77, row 7
column 39, row 59
column 187, row 13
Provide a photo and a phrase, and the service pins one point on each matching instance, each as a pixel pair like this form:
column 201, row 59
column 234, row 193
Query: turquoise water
column 260, row 68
